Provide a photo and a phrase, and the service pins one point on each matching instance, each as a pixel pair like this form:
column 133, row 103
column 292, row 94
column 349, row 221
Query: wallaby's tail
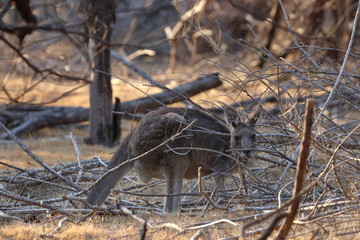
column 102, row 188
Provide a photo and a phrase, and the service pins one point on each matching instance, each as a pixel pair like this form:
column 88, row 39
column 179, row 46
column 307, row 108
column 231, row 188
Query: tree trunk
column 100, row 16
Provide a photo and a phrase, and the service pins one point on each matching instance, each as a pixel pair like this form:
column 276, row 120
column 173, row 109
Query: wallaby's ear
column 232, row 117
column 254, row 117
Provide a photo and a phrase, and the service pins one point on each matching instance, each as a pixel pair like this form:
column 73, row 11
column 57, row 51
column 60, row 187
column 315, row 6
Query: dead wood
column 38, row 160
column 262, row 208
column 25, row 119
column 33, row 177
column 205, row 195
column 172, row 96
column 300, row 170
column 16, row 197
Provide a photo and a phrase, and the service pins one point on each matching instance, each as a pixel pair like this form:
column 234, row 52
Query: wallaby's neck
column 121, row 154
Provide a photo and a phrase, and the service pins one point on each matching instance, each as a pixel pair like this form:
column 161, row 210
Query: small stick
column 47, row 182
column 197, row 235
column 7, row 194
column 4, row 215
column 272, row 226
column 209, row 224
column 58, row 227
column 100, row 161
column 342, row 186
column 205, row 195
column 76, row 148
column 11, row 166
column 78, row 157
column 130, row 214
column 83, row 218
column 300, row 170
column 143, row 231
column 33, row 156
column 134, row 68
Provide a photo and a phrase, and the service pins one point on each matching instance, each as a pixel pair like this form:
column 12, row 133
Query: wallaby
column 172, row 143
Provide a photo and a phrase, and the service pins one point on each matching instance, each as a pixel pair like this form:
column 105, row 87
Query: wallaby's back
column 207, row 134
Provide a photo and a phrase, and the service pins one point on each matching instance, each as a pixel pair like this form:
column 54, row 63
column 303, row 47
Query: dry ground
column 54, row 147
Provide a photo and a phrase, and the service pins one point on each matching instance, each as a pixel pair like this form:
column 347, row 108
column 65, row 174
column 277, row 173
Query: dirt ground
column 54, row 147
column 232, row 41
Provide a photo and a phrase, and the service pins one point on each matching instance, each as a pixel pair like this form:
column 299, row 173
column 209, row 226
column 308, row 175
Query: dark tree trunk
column 117, row 121
column 100, row 16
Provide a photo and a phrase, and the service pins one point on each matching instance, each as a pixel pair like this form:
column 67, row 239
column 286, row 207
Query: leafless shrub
column 281, row 87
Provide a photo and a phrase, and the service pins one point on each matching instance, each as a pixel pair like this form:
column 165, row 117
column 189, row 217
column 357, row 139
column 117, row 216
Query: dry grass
column 330, row 210
column 122, row 227
column 52, row 146
column 70, row 231
column 89, row 230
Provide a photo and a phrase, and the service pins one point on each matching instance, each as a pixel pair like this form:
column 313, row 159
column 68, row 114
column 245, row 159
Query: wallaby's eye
column 237, row 138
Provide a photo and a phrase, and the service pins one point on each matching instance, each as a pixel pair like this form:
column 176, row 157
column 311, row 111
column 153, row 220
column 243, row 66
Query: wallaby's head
column 242, row 134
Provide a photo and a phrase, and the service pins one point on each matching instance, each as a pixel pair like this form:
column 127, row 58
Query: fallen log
column 24, row 119
column 177, row 94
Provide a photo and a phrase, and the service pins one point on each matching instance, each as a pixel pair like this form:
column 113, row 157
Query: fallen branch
column 33, row 156
column 16, row 197
column 300, row 170
column 24, row 119
column 205, row 195
column 28, row 119
column 172, row 96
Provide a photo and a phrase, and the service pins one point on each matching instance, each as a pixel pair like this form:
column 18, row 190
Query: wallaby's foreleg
column 220, row 187
column 173, row 186
column 174, row 172
column 220, row 182
column 242, row 173
column 243, row 181
column 220, row 168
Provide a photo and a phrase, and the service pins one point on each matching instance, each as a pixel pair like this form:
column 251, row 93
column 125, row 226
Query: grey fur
column 182, row 155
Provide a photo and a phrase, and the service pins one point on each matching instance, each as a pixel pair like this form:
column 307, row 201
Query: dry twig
column 300, row 169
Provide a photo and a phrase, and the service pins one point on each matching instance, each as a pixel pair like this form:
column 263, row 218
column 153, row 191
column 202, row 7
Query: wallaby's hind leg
column 174, row 170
